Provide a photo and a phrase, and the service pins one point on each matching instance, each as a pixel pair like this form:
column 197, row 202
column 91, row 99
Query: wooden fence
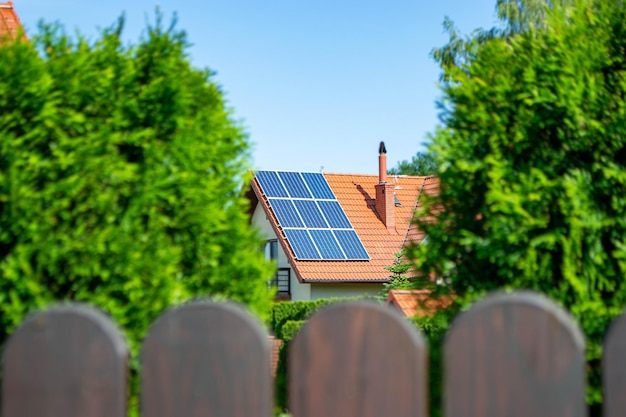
column 510, row 355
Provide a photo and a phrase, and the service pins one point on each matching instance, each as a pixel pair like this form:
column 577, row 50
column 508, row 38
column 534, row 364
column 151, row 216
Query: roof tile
column 417, row 302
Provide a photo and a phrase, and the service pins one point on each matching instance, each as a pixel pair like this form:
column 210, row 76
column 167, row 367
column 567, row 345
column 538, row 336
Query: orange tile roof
column 356, row 194
column 9, row 21
column 416, row 302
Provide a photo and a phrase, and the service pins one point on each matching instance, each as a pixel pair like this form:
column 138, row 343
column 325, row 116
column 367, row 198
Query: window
column 282, row 279
column 271, row 250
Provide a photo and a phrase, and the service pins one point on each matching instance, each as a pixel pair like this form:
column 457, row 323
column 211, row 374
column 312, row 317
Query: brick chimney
column 385, row 202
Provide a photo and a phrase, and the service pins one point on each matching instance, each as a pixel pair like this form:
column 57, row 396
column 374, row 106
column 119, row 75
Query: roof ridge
column 376, row 175
column 288, row 170
column 424, row 177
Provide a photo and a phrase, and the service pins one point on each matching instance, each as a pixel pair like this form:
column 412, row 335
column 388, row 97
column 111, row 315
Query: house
column 416, row 302
column 10, row 24
column 332, row 235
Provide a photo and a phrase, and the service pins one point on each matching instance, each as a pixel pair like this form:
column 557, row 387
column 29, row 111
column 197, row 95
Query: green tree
column 513, row 16
column 421, row 164
column 121, row 171
column 533, row 169
column 398, row 280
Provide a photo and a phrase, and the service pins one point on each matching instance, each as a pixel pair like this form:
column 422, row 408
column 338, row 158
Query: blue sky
column 315, row 83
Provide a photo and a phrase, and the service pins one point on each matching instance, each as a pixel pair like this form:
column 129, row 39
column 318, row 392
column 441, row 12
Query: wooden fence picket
column 514, row 355
column 614, row 369
column 206, row 359
column 357, row 360
column 68, row 361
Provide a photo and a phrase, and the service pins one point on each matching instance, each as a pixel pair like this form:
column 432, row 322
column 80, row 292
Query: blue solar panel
column 327, row 245
column 318, row 185
column 294, row 184
column 312, row 219
column 286, row 213
column 270, row 184
column 334, row 214
column 351, row 244
column 301, row 243
column 310, row 213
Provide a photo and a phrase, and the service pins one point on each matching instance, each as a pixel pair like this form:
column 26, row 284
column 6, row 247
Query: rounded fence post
column 206, row 359
column 614, row 369
column 357, row 360
column 515, row 354
column 68, row 361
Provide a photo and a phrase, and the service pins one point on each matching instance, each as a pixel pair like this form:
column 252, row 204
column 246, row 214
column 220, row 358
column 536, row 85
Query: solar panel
column 286, row 213
column 334, row 214
column 318, row 185
column 312, row 219
column 294, row 184
column 310, row 213
column 327, row 245
column 351, row 244
column 270, row 184
column 302, row 244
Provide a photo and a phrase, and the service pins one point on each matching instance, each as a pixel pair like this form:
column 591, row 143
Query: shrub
column 120, row 178
column 532, row 160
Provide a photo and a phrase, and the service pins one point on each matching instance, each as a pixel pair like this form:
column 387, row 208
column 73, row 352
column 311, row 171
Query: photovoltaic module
column 314, row 222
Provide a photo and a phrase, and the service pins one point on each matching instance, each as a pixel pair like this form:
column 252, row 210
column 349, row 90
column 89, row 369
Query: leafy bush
column 532, row 160
column 281, row 313
column 120, row 178
column 290, row 328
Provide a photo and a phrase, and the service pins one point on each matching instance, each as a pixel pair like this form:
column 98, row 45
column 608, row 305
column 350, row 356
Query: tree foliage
column 422, row 163
column 120, row 180
column 399, row 278
column 533, row 169
column 513, row 17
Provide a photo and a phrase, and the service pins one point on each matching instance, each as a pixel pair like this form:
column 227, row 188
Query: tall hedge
column 120, row 179
column 532, row 156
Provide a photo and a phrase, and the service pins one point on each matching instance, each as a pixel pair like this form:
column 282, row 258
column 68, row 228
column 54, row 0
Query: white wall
column 259, row 220
column 299, row 292
column 344, row 290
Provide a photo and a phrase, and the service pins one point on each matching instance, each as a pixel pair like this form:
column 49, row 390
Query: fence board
column 206, row 359
column 614, row 369
column 514, row 355
column 69, row 361
column 357, row 360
